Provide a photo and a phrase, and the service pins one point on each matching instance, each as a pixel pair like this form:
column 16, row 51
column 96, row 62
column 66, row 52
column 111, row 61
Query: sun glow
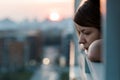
column 54, row 16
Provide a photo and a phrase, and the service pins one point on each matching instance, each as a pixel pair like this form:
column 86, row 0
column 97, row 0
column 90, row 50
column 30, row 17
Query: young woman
column 88, row 24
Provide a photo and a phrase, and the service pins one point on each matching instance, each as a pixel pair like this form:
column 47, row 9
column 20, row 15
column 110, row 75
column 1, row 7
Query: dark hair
column 88, row 15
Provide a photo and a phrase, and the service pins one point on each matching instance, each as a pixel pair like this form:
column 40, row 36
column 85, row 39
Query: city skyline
column 39, row 9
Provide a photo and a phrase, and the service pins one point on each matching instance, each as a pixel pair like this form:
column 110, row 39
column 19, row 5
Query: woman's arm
column 95, row 51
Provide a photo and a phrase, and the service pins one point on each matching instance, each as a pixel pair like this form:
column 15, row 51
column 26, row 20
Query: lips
column 81, row 46
column 86, row 48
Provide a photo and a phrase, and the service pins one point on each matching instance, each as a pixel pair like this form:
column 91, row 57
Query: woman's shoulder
column 95, row 51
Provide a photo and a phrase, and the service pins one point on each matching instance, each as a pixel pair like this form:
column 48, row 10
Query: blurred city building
column 23, row 45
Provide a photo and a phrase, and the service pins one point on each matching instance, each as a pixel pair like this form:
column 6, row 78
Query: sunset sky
column 19, row 10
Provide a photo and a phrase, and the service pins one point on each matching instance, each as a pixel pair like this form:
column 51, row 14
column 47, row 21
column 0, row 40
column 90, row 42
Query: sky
column 19, row 10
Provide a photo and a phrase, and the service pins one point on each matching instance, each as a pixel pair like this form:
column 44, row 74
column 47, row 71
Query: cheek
column 92, row 38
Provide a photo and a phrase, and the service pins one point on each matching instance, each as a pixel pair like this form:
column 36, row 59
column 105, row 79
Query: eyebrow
column 84, row 30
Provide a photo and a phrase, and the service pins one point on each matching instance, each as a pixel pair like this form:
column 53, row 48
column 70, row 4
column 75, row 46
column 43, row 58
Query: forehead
column 78, row 27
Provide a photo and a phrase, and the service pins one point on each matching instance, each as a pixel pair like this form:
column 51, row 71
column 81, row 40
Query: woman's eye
column 86, row 33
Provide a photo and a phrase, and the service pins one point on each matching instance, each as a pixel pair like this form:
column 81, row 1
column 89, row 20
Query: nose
column 81, row 39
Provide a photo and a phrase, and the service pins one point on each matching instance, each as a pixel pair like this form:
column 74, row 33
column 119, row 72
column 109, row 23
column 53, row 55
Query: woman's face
column 87, row 35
